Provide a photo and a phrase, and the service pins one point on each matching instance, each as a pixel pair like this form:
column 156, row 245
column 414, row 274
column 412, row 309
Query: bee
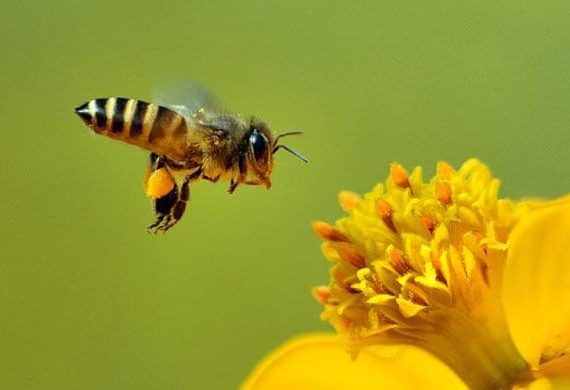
column 187, row 144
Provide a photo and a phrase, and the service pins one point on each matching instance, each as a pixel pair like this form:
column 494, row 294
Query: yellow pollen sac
column 159, row 184
column 328, row 232
column 398, row 261
column 421, row 266
column 443, row 193
column 384, row 209
column 399, row 175
column 444, row 170
column 428, row 222
column 350, row 254
column 349, row 200
column 385, row 213
column 322, row 294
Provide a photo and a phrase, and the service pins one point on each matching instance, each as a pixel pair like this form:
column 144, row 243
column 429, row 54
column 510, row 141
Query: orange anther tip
column 399, row 175
column 443, row 192
column 384, row 209
column 321, row 294
column 349, row 200
column 159, row 184
column 351, row 255
column 398, row 261
column 396, row 255
column 428, row 222
column 444, row 169
column 328, row 232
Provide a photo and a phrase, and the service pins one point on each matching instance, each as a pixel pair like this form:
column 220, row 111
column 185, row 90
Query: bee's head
column 259, row 153
column 261, row 145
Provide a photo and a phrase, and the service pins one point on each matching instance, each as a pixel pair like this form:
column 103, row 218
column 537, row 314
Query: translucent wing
column 186, row 98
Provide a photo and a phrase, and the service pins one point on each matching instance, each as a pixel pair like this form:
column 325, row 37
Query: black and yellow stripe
column 150, row 126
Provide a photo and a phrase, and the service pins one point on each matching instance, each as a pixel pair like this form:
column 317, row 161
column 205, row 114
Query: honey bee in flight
column 187, row 144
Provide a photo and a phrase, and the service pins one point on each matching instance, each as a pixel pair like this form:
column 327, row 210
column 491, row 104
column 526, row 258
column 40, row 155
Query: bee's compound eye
column 258, row 143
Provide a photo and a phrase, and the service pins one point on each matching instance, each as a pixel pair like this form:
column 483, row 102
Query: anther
column 378, row 285
column 429, row 223
column 399, row 175
column 341, row 280
column 350, row 254
column 349, row 200
column 385, row 213
column 415, row 298
column 444, row 170
column 398, row 261
column 321, row 294
column 437, row 266
column 443, row 193
column 328, row 232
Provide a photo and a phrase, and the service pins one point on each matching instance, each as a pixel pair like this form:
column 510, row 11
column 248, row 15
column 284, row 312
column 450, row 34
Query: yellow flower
column 442, row 269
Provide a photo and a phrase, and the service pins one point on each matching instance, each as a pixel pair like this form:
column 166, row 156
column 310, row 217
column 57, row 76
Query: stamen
column 438, row 271
column 399, row 175
column 349, row 200
column 415, row 298
column 350, row 254
column 322, row 294
column 443, row 193
column 429, row 223
column 385, row 213
column 444, row 170
column 398, row 260
column 342, row 281
column 378, row 285
column 328, row 232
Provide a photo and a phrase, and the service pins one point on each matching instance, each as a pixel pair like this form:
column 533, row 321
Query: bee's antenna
column 293, row 152
column 285, row 135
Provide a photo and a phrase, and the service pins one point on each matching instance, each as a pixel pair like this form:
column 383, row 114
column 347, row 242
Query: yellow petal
column 545, row 384
column 538, row 384
column 557, row 368
column 409, row 309
column 536, row 283
column 559, row 383
column 321, row 361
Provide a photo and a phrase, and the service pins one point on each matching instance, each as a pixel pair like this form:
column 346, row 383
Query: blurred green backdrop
column 89, row 300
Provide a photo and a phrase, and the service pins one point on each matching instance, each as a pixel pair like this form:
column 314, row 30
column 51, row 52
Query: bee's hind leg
column 170, row 208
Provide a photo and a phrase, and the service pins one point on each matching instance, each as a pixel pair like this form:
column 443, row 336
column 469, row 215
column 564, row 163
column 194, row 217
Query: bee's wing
column 186, row 98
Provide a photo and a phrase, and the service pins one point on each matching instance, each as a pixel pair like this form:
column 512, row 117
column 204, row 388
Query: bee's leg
column 180, row 206
column 213, row 180
column 155, row 162
column 162, row 208
column 256, row 182
column 170, row 208
column 233, row 185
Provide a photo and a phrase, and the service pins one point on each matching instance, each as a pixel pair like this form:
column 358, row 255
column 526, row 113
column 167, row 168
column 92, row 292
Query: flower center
column 420, row 263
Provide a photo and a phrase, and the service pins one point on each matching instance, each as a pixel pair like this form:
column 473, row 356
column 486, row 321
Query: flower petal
column 536, row 283
column 559, row 383
column 321, row 361
column 557, row 368
column 543, row 383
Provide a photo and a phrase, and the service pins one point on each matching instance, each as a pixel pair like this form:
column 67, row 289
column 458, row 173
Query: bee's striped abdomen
column 152, row 127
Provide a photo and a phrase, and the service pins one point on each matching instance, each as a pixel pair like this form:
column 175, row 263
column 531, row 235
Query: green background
column 89, row 300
